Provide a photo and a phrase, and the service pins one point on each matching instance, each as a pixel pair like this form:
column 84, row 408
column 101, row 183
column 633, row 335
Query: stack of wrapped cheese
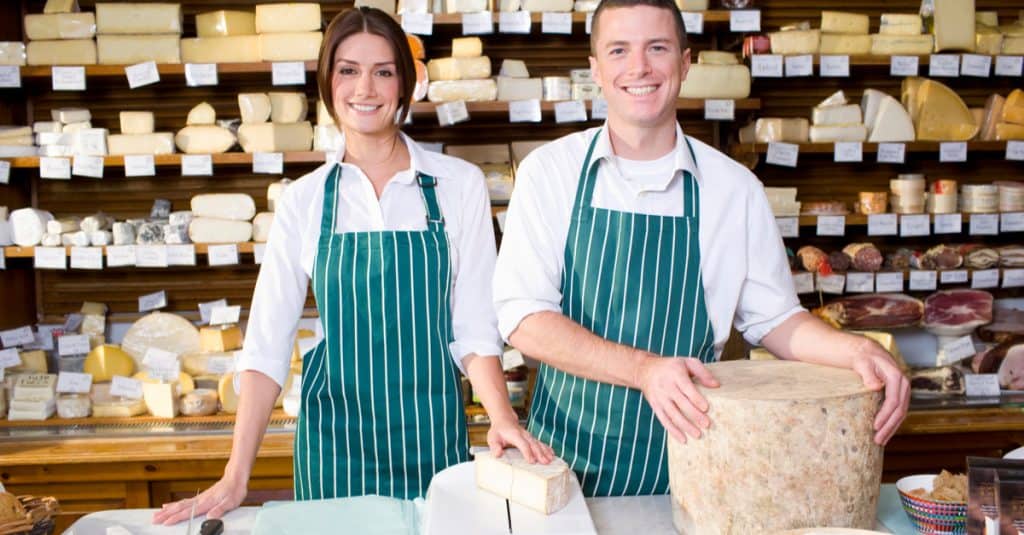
column 70, row 133
column 223, row 37
column 201, row 134
column 463, row 76
column 496, row 163
column 716, row 75
column 130, row 33
column 274, row 122
column 289, row 32
column 901, row 34
column 844, row 33
column 221, row 218
column 17, row 141
column 59, row 36
column 138, row 136
column 835, row 119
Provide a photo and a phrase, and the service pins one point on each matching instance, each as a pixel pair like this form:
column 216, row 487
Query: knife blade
column 192, row 513
column 508, row 514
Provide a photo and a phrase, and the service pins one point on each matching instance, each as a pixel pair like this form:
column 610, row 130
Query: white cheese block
column 46, row 127
column 60, row 26
column 233, row 49
column 201, row 115
column 838, row 132
column 840, row 22
column 138, row 18
column 31, row 410
column 132, row 49
column 199, row 402
column 717, row 57
column 181, row 217
column 841, row 44
column 35, row 387
column 21, row 141
column 323, row 116
column 50, row 138
column 261, row 226
column 12, row 53
column 466, row 6
column 545, row 488
column 204, row 139
column 99, row 221
column 900, row 24
column 327, row 138
column 70, row 52
column 514, row 68
column 442, row 69
column 8, row 151
column 542, row 6
column 77, row 126
column 520, row 88
column 254, row 107
column 795, row 42
column 273, row 137
column 28, row 226
column 51, row 240
column 287, row 17
column 234, row 206
column 287, row 107
column 830, row 115
column 954, row 25
column 304, row 46
column 74, row 406
column 136, row 122
column 897, row 45
column 208, row 230
column 467, row 47
column 124, row 233
column 89, row 142
column 61, row 6
column 161, row 400
column 716, row 81
column 466, row 90
column 889, row 121
column 274, row 192
column 156, row 143
column 160, row 330
column 101, row 238
column 62, row 225
column 75, row 239
column 225, row 23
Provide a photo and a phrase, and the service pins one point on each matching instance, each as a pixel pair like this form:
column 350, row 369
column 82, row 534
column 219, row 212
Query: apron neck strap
column 428, row 190
column 327, row 221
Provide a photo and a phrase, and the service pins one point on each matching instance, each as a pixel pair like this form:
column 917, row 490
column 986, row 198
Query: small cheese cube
column 467, row 47
column 219, row 339
column 136, row 122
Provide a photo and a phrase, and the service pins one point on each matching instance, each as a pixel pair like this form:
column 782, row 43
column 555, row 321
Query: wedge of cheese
column 795, row 42
column 161, row 399
column 954, row 25
column 232, row 49
column 70, row 52
column 106, row 361
column 514, row 68
column 288, row 17
column 942, row 115
column 204, row 139
column 838, row 132
column 225, row 23
column 444, row 69
column 132, row 49
column 900, row 24
column 843, row 44
column 1009, row 132
column 716, row 81
column 886, row 119
column 301, row 46
column 543, row 488
column 60, row 26
column 992, row 116
column 274, row 137
column 1013, row 109
column 898, row 45
column 138, row 18
column 220, row 339
column 840, row 22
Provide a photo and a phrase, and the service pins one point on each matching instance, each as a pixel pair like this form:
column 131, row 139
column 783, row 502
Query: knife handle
column 213, row 526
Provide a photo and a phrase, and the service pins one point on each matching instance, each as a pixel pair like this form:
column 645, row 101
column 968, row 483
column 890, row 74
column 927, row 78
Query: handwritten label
column 949, row 223
column 832, row 284
column 1011, row 222
column 944, row 65
column 766, row 66
column 745, row 20
column 50, row 258
column 9, row 358
column 860, row 282
column 514, row 22
column 74, row 383
column 450, row 113
column 196, row 165
column 783, row 154
column 418, row 23
column 57, row 168
column 981, row 385
column 798, row 66
column 953, row 151
column 915, row 225
column 205, row 309
column 984, row 224
column 125, row 387
column 17, row 337
column 903, row 65
column 225, row 315
column 201, row 74
column 848, row 151
column 570, row 111
column 288, row 73
column 142, row 74
column 5, row 171
column 719, row 109
column 524, row 111
column 477, row 23
column 789, row 227
column 975, row 65
column 598, row 109
column 268, row 163
column 73, row 344
column 835, row 66
column 557, row 23
column 68, row 78
column 88, row 166
column 1013, row 278
column 223, row 255
column 958, row 349
column 892, row 153
column 161, row 365
column 803, row 282
column 694, row 22
column 1015, row 150
column 10, row 76
column 882, row 225
column 87, row 258
column 985, row 278
column 181, row 255
column 923, row 280
column 151, row 256
column 153, row 301
column 139, row 165
column 120, row 255
column 953, row 276
column 831, row 225
column 889, row 282
column 1009, row 65
column 258, row 250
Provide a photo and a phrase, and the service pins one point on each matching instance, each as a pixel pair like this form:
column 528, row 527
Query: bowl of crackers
column 936, row 504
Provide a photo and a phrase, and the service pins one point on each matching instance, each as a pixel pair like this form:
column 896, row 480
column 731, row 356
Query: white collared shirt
column 280, row 294
column 746, row 274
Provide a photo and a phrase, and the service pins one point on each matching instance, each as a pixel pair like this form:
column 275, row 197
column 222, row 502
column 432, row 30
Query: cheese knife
column 192, row 513
column 508, row 514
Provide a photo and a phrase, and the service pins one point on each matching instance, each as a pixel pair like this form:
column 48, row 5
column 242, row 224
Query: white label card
column 832, row 284
column 557, row 23
column 258, row 250
column 923, row 280
column 953, row 276
column 959, row 349
column 1009, row 65
column 225, row 315
column 1015, row 150
column 142, row 74
column 803, row 282
column 223, row 255
column 835, row 66
column 831, row 225
column 153, row 301
column 479, row 23
column 789, row 227
column 205, row 309
column 125, row 387
column 570, row 111
column 745, row 20
column 944, row 65
column 904, row 65
column 976, row 65
column 1011, row 222
column 196, row 165
column 802, row 65
column 694, row 22
column 784, row 154
column 9, row 358
column 514, row 22
column 1013, row 278
column 719, row 109
column 953, row 151
column 418, row 23
column 268, row 163
column 849, row 151
column 288, row 73
column 68, row 78
column 88, row 166
column 200, row 74
column 74, row 383
column 3, row 259
column 450, row 113
column 17, row 337
column 10, row 76
column 985, row 278
column 598, row 109
column 58, row 168
column 87, row 258
column 981, row 385
column 984, row 224
column 949, row 223
column 151, row 256
column 161, row 365
column 892, row 153
column 766, row 66
column 590, row 22
column 73, row 344
column 181, row 255
column 889, row 282
column 139, row 165
column 120, row 255
column 857, row 282
column 915, row 225
column 883, row 225
column 524, row 111
column 5, row 171
column 50, row 258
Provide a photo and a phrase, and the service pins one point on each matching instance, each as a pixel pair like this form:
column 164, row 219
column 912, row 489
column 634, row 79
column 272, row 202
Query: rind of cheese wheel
column 226, row 393
column 69, row 52
column 136, row 122
column 233, row 206
column 126, row 144
column 182, row 386
column 543, row 488
column 132, row 49
column 287, row 107
column 204, row 139
column 844, row 23
column 254, row 107
column 445, row 69
column 106, row 361
column 202, row 114
column 160, row 330
column 28, row 226
column 220, row 339
column 467, row 47
column 716, row 81
column 416, row 46
column 304, row 46
column 1009, row 132
column 1013, row 108
column 942, row 115
column 466, row 90
column 287, row 17
column 199, row 402
column 161, row 398
column 233, row 49
column 132, row 18
column 40, row 27
column 261, row 226
column 211, row 230
column 225, row 23
column 273, row 137
column 715, row 57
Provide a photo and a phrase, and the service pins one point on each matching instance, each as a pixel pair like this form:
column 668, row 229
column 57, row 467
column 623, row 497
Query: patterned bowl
column 928, row 516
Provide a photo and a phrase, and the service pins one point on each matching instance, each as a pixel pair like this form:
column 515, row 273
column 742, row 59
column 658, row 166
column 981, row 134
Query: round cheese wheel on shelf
column 160, row 330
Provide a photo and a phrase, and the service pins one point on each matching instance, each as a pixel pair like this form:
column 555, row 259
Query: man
column 632, row 242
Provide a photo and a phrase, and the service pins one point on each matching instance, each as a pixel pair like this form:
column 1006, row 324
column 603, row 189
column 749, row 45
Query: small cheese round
column 73, row 406
column 200, row 402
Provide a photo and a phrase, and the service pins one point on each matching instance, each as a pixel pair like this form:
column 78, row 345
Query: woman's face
column 365, row 84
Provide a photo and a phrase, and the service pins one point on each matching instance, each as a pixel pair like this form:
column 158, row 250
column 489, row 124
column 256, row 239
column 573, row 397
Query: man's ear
column 685, row 67
column 593, row 70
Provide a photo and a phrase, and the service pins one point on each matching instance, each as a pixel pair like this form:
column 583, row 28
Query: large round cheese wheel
column 106, row 361
column 791, row 445
column 160, row 330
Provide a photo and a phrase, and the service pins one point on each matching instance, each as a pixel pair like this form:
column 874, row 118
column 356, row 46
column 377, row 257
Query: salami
column 811, row 258
column 864, row 256
column 900, row 260
column 957, row 312
column 873, row 311
column 839, row 261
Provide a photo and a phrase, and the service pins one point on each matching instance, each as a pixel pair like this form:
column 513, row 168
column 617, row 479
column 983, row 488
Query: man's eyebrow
column 648, row 42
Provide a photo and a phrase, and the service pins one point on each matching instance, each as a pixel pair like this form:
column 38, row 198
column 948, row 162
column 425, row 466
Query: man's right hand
column 216, row 501
column 667, row 384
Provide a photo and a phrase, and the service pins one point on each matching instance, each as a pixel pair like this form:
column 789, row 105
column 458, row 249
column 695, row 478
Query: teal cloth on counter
column 891, row 513
column 365, row 515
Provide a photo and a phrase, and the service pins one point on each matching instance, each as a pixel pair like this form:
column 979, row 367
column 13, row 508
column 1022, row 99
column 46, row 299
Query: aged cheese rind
column 138, row 18
column 225, row 23
column 303, row 46
column 273, row 137
column 132, row 49
column 60, row 26
column 233, row 49
column 209, row 230
column 716, row 81
column 543, row 488
column 70, row 52
column 788, row 422
column 287, row 17
column 160, row 330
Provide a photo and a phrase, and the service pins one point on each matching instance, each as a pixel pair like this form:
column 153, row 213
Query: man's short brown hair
column 376, row 22
column 668, row 5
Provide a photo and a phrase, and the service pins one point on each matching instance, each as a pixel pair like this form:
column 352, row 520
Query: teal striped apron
column 633, row 279
column 381, row 399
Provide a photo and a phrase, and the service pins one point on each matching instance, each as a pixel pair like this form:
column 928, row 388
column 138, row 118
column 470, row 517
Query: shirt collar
column 418, row 160
column 683, row 158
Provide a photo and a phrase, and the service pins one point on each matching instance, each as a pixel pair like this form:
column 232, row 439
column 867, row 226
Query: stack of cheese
column 716, row 75
column 937, row 112
column 93, row 230
column 34, row 397
column 94, row 323
column 138, row 137
column 1003, row 118
column 496, row 163
column 289, row 32
column 837, row 120
column 13, row 53
column 326, row 136
column 901, row 34
column 201, row 134
column 287, row 129
column 17, row 141
column 264, row 220
column 514, row 82
column 885, row 118
column 210, row 366
column 776, row 129
column 795, row 39
column 783, row 201
column 103, row 363
column 583, row 85
column 844, row 33
column 988, row 38
column 223, row 37
column 130, row 33
column 60, row 35
column 463, row 76
column 70, row 133
column 221, row 218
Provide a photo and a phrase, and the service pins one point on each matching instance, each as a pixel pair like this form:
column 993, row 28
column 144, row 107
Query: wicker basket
column 38, row 519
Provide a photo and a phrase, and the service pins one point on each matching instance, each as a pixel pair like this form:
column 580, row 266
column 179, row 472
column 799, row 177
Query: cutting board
column 456, row 505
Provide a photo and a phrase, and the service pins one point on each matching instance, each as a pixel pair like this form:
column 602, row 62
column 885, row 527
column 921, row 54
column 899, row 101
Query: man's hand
column 667, row 385
column 878, row 370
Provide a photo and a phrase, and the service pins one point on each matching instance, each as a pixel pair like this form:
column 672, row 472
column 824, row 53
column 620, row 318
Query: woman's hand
column 509, row 434
column 216, row 501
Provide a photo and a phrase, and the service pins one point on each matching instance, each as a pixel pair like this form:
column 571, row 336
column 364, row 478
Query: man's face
column 639, row 65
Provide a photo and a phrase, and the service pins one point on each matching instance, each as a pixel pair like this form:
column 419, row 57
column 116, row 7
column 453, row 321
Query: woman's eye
column 346, row 71
column 385, row 73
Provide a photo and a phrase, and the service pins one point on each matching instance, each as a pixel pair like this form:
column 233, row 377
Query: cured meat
column 873, row 311
column 982, row 258
column 900, row 260
column 957, row 312
column 942, row 257
column 839, row 261
column 1011, row 370
column 811, row 258
column 864, row 256
column 1011, row 256
column 988, row 361
column 1007, row 323
column 944, row 380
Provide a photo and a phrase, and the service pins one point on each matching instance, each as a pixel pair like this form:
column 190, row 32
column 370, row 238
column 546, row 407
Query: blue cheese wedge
column 545, row 488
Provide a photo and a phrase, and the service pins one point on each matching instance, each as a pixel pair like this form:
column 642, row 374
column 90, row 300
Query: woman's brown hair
column 376, row 22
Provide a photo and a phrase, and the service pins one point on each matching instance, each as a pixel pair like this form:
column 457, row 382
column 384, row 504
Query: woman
column 400, row 249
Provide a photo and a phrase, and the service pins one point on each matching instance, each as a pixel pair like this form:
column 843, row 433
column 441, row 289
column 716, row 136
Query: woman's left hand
column 510, row 434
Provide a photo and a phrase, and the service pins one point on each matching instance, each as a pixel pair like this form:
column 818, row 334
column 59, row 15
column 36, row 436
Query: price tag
column 981, row 385
column 225, row 315
column 120, row 255
column 835, row 66
column 161, row 365
column 73, row 344
column 766, row 66
column 418, row 23
column 831, row 225
column 10, row 76
column 86, row 258
column 200, row 74
column 220, row 365
column 803, row 282
column 1015, row 150
column 889, row 282
column 258, row 250
column 9, row 358
column 181, row 255
column 524, row 111
column 975, row 65
column 288, row 73
column 477, row 23
column 139, row 165
column 50, row 258
column 860, row 282
column 784, row 154
column 151, row 256
column 598, row 109
column 5, row 171
column 74, row 383
column 451, row 113
column 125, row 387
column 89, row 166
column 903, row 65
column 802, row 65
column 949, row 223
column 923, row 280
column 944, row 65
column 570, row 111
column 17, row 337
column 832, row 284
column 153, row 301
column 882, row 225
column 848, row 151
column 223, row 255
column 268, row 163
column 789, row 227
column 514, row 22
column 953, row 276
column 44, row 337
column 3, row 259
column 694, row 22
column 1013, row 278
column 558, row 23
column 59, row 168
column 915, row 225
column 984, row 224
column 1011, row 222
column 719, row 109
column 1009, row 65
column 142, row 74
column 985, row 278
column 68, row 78
column 205, row 309
column 892, row 153
column 959, row 349
column 745, row 20
column 590, row 22
column 196, row 165
column 953, row 151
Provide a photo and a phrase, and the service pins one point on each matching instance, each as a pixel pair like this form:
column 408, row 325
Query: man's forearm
column 806, row 338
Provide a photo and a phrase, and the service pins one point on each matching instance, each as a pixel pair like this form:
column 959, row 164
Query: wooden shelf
column 912, row 147
column 906, row 273
column 201, row 249
column 862, row 220
column 455, row 19
column 169, row 160
column 107, row 71
column 425, row 109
